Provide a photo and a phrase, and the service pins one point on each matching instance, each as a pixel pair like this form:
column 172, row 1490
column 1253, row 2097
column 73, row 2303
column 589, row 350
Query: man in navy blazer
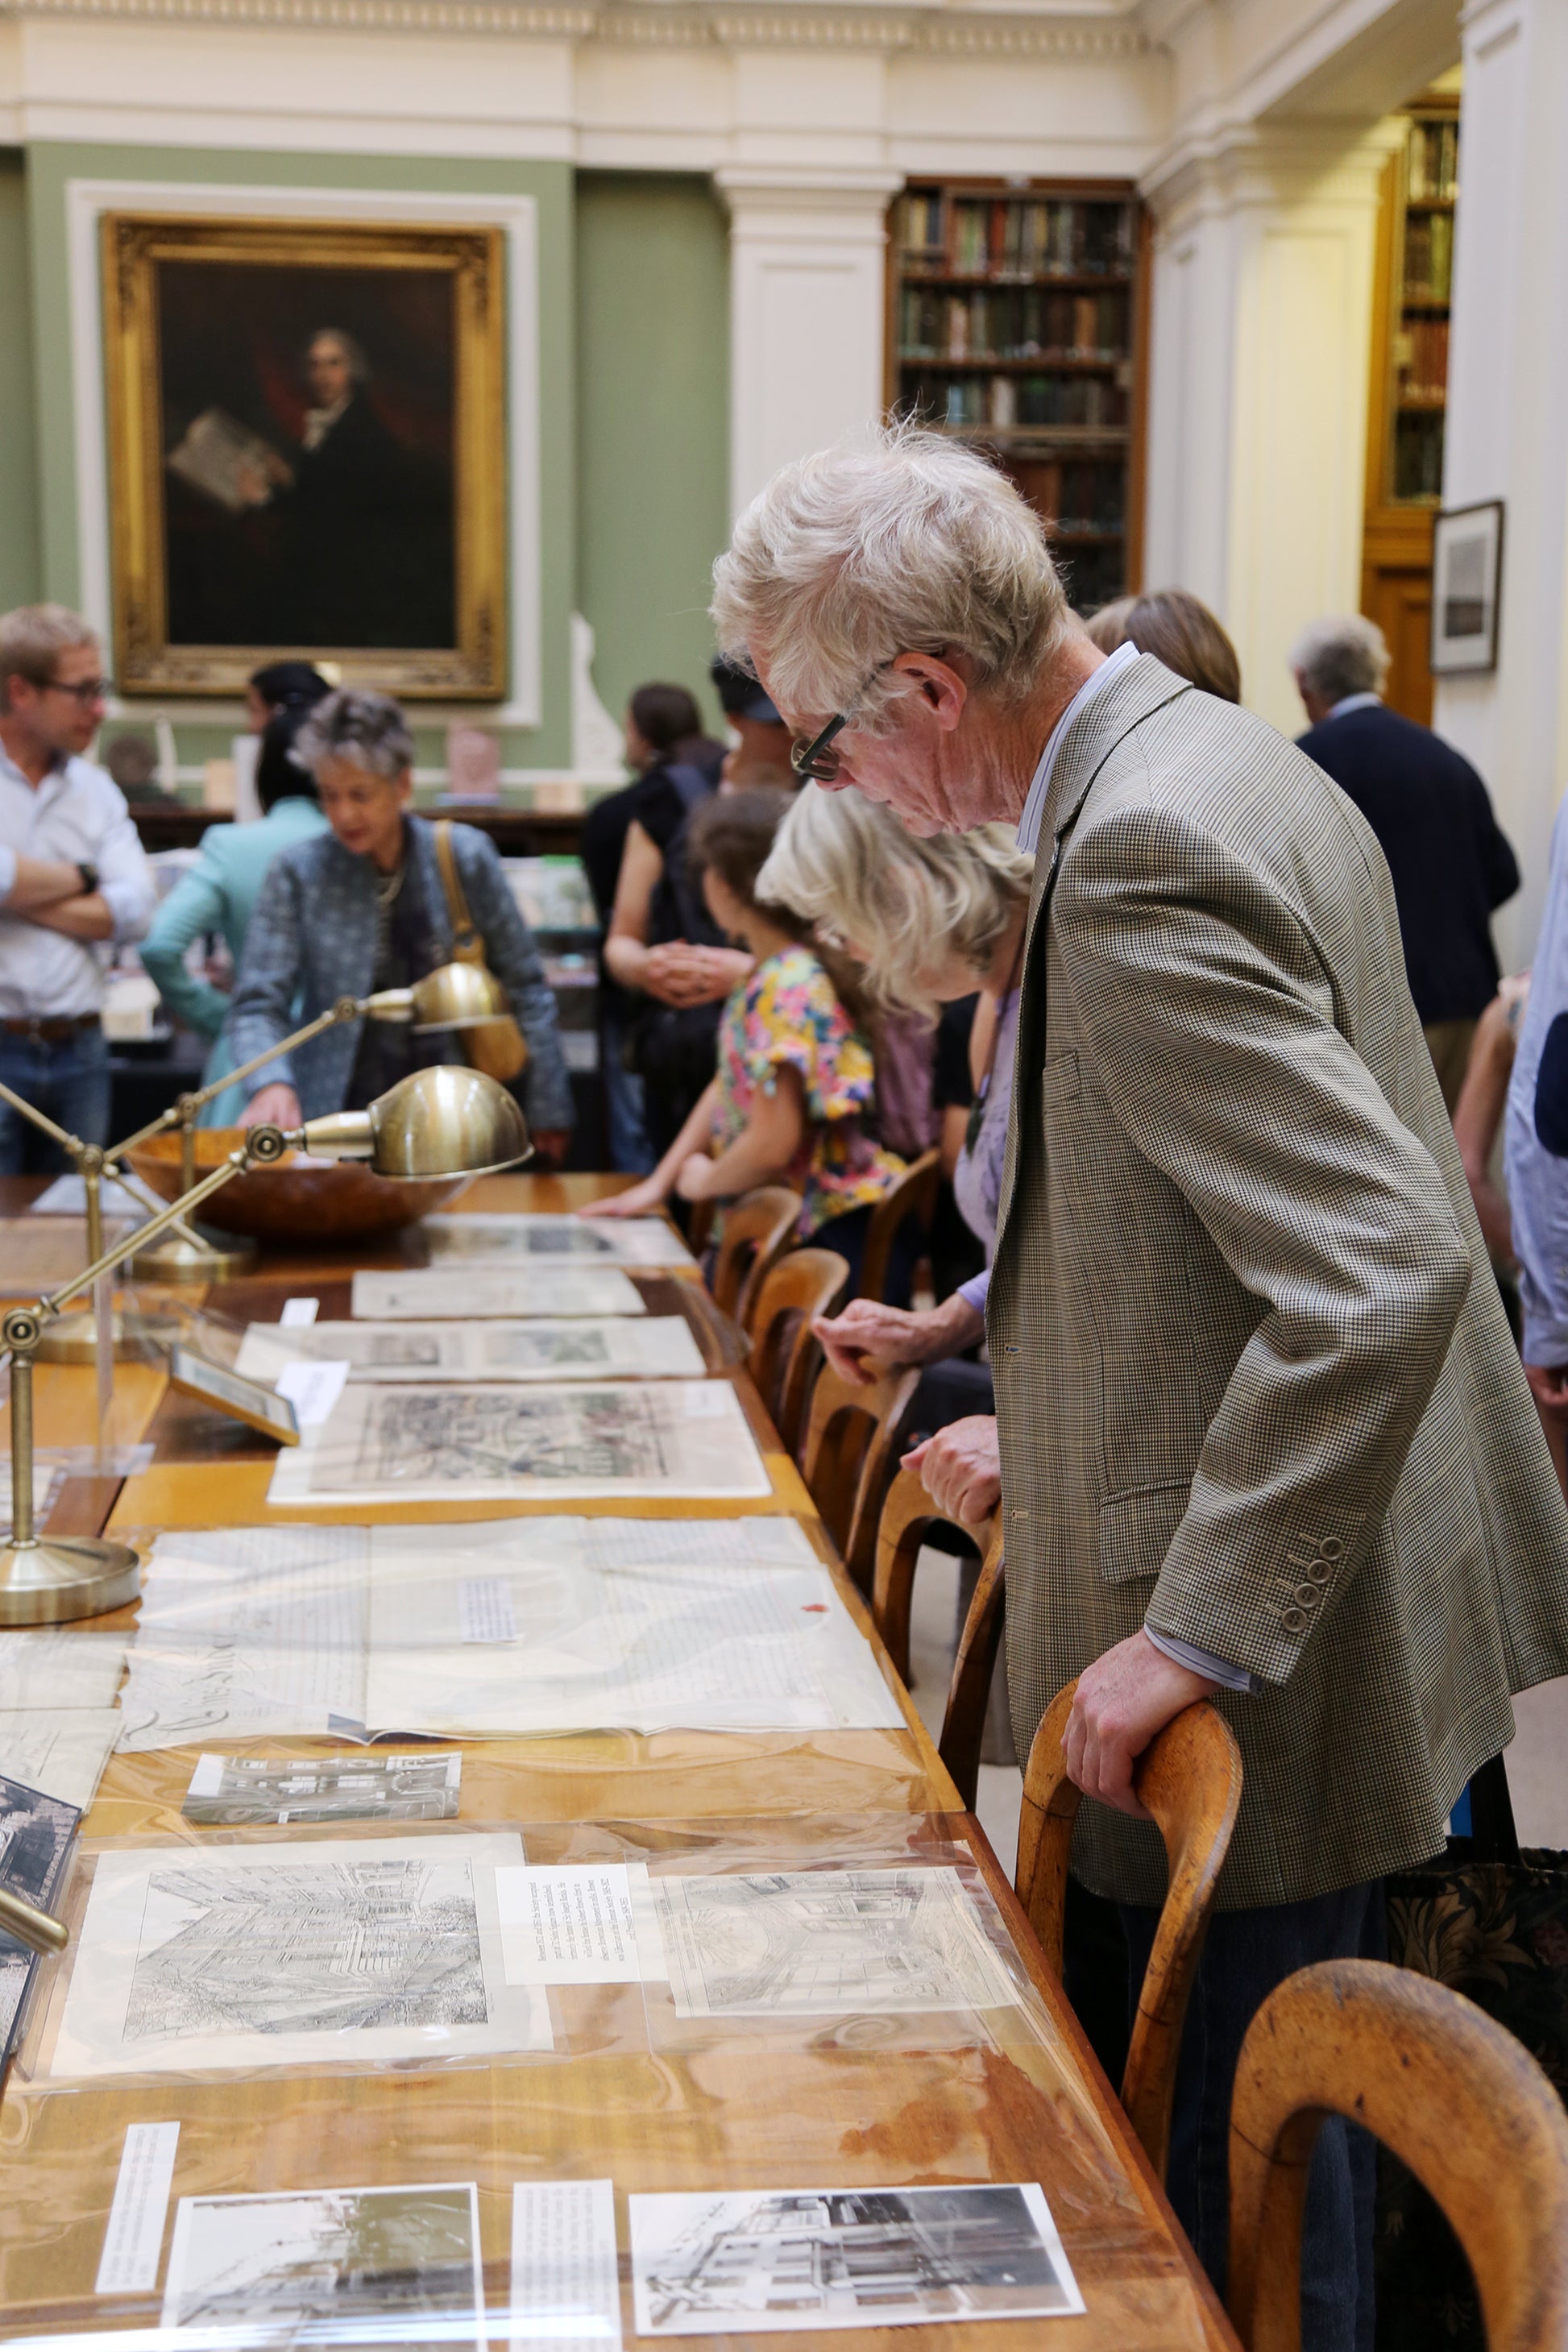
column 1451, row 862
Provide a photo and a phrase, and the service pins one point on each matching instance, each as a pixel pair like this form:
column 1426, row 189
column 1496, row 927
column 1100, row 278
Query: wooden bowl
column 298, row 1201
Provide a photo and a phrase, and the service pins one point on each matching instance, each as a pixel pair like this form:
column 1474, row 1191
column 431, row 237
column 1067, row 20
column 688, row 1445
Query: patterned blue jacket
column 312, row 940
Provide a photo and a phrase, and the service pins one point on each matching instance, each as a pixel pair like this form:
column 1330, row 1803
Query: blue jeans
column 626, row 1121
column 1247, row 1955
column 69, row 1082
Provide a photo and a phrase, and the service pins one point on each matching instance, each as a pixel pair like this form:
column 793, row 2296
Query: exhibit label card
column 803, row 2258
column 565, row 2290
column 133, row 2242
column 345, row 2266
column 571, row 1924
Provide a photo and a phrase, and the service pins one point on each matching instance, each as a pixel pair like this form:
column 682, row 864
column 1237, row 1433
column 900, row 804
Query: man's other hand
column 960, row 1468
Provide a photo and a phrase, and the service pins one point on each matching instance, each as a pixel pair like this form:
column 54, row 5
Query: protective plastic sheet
column 862, row 2103
column 504, row 1627
column 424, row 1294
column 542, row 1239
column 656, row 1347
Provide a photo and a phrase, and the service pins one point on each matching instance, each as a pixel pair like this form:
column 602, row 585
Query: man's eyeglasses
column 817, row 763
column 91, row 689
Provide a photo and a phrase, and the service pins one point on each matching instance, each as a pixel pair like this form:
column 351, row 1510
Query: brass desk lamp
column 456, row 996
column 448, row 1121
column 74, row 1338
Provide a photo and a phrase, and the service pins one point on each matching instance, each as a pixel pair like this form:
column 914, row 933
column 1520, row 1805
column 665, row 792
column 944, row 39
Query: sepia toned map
column 659, row 1347
column 537, row 1238
column 826, row 1943
column 454, row 1292
column 389, row 1444
column 345, row 2266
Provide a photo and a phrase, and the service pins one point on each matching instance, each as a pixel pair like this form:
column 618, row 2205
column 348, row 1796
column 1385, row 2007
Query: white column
column 1507, row 431
column 1261, row 324
column 808, row 281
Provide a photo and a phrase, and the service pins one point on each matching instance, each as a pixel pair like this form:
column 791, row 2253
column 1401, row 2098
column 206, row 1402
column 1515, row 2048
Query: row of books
column 1078, row 495
column 1011, row 323
column 1016, row 236
column 1432, row 170
column 1429, row 258
column 1006, row 402
column 1424, row 358
column 1418, row 454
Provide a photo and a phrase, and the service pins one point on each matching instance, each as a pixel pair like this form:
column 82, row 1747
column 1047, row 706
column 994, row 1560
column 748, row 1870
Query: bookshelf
column 1017, row 321
column 1413, row 289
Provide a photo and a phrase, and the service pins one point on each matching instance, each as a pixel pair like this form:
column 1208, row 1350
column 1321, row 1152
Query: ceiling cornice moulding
column 656, row 24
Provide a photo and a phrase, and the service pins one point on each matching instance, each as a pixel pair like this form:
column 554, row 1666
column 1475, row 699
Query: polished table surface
column 1019, row 2101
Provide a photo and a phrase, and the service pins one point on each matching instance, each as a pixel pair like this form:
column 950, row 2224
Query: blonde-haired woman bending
column 928, row 920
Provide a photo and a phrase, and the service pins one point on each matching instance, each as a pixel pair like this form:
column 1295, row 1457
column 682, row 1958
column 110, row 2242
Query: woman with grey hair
column 363, row 908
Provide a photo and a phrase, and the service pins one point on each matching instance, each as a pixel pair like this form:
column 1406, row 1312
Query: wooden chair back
column 1455, row 2098
column 805, row 1283
column 914, row 1195
column 848, row 1459
column 907, row 1518
column 757, row 1229
column 1189, row 1777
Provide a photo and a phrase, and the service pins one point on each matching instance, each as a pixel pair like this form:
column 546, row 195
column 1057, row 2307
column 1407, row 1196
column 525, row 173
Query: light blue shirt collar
column 1356, row 703
column 1035, row 806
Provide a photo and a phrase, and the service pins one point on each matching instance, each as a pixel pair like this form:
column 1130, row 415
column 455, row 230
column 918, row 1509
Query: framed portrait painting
column 307, row 448
column 1467, row 580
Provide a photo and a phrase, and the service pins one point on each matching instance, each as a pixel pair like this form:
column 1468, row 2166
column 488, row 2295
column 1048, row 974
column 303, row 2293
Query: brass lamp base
column 174, row 1259
column 73, row 1339
column 62, row 1577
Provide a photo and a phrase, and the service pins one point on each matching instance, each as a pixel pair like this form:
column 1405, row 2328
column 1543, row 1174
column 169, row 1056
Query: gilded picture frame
column 306, row 441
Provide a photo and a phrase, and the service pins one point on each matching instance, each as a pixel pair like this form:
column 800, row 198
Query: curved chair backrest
column 907, row 1518
column 914, row 1195
column 805, row 1283
column 757, row 1229
column 848, row 1461
column 1189, row 1777
column 1455, row 2098
column 964, row 1720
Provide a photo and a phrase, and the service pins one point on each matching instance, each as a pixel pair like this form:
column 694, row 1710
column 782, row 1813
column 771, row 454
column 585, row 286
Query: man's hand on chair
column 960, row 1468
column 1123, row 1700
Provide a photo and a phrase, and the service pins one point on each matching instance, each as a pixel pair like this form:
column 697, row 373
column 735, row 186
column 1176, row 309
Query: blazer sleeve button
column 1332, row 1548
column 1294, row 1621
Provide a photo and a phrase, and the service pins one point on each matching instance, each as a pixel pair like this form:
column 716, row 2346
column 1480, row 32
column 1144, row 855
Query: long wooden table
column 812, row 2110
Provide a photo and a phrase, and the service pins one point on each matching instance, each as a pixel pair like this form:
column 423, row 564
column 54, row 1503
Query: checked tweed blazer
column 1254, row 1379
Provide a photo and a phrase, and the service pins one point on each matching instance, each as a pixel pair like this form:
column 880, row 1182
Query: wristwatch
column 89, row 873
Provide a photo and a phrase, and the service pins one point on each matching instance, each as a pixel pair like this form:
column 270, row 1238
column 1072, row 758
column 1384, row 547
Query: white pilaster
column 807, row 263
column 1261, row 319
column 1507, row 433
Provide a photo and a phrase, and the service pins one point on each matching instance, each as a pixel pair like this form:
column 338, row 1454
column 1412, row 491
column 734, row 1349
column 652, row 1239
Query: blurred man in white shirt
column 74, row 880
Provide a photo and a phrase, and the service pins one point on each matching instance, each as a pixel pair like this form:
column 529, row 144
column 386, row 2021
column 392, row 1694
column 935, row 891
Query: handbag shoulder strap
column 464, row 935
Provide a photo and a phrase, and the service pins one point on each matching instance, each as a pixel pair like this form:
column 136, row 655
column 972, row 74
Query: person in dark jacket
column 1451, row 863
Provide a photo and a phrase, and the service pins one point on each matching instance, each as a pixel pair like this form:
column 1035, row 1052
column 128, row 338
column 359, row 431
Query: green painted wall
column 21, row 568
column 653, row 425
column 51, row 165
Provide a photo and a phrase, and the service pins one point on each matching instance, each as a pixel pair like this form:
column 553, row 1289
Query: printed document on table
column 248, row 1630
column 565, row 2288
column 342, row 2266
column 62, row 1752
column 606, row 1627
column 657, row 1346
column 523, row 1443
column 572, row 1923
column 717, row 2262
column 453, row 1293
column 362, row 1951
column 826, row 1943
column 56, row 1667
column 539, row 1239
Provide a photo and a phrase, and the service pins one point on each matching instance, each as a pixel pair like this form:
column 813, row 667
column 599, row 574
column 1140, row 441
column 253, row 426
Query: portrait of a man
column 320, row 470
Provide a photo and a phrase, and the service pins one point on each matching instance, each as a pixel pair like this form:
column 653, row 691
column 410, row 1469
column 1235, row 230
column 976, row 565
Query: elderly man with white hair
column 1263, row 1432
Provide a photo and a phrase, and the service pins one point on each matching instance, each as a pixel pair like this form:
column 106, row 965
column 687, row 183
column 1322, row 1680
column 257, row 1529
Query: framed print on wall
column 1466, row 581
column 307, row 452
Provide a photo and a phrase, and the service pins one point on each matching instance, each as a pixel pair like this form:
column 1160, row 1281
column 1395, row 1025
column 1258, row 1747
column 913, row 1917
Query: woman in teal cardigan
column 219, row 894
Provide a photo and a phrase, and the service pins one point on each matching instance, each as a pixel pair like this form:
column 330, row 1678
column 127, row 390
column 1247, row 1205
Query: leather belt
column 51, row 1029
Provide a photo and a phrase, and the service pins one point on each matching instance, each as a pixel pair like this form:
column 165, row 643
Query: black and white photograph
column 339, row 2267
column 805, row 2259
column 36, row 1834
column 1467, row 587
column 226, row 1790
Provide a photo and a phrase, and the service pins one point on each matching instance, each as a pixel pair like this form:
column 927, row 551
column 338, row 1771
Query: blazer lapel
column 1144, row 687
